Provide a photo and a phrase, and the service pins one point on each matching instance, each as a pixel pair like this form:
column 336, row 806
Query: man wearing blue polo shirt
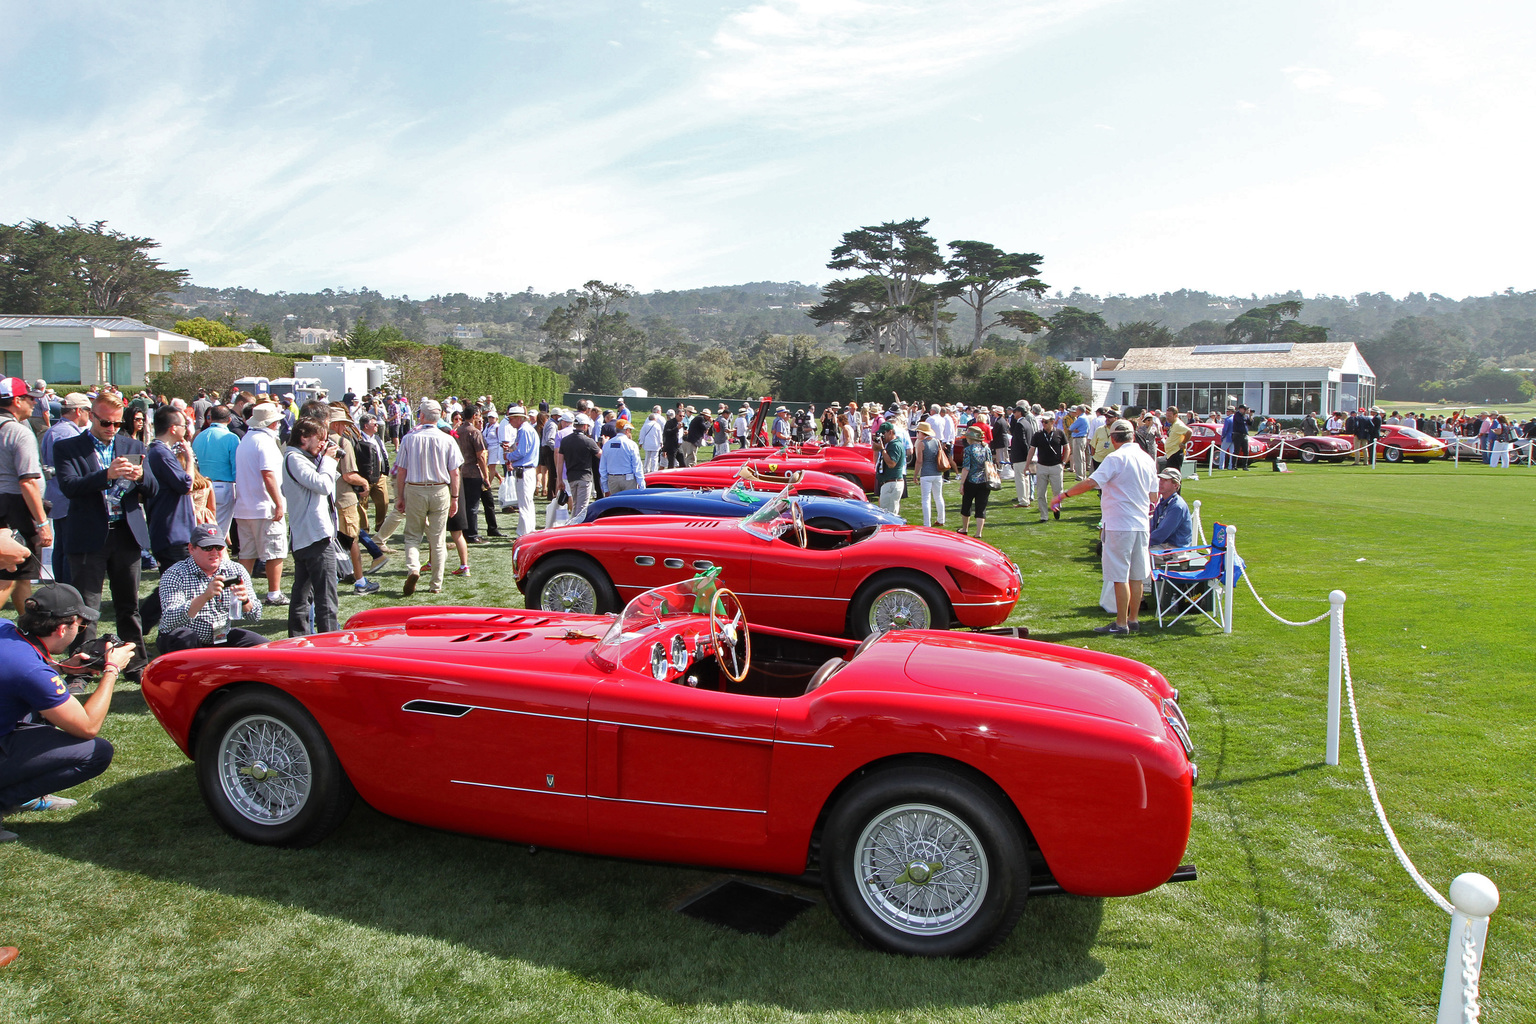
column 1082, row 427
column 215, row 447
column 523, row 463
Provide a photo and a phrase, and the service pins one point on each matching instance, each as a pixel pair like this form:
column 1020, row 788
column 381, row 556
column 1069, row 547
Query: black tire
column 1308, row 453
column 559, row 569
column 882, row 598
column 1393, row 454
column 901, row 821
column 267, row 772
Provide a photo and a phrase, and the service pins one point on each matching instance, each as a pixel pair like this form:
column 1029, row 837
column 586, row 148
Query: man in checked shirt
column 202, row 595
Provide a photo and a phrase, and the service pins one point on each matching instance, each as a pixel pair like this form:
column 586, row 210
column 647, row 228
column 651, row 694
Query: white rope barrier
column 1473, row 896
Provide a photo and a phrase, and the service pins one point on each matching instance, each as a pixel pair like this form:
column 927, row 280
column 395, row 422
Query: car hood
column 1039, row 674
column 481, row 638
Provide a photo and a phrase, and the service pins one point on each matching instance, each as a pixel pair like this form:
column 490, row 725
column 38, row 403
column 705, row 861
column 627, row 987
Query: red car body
column 1309, row 447
column 721, row 473
column 843, row 583
column 1203, row 436
column 526, row 726
column 855, row 463
column 1398, row 442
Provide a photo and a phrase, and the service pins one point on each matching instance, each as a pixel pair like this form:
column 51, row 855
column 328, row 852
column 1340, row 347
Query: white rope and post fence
column 1474, row 897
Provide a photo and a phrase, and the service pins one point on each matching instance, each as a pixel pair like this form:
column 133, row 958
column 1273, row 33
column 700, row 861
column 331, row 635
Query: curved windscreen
column 651, row 610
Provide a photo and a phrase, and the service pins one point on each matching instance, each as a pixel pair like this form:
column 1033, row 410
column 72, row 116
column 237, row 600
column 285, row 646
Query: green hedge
column 440, row 371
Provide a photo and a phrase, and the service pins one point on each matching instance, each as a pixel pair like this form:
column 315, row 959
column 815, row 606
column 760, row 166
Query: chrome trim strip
column 685, row 732
column 516, row 789
column 664, row 803
column 482, row 707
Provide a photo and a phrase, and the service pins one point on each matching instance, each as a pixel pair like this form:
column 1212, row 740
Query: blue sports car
column 821, row 512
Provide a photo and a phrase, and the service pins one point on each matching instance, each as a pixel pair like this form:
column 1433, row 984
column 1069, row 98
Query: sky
column 493, row 145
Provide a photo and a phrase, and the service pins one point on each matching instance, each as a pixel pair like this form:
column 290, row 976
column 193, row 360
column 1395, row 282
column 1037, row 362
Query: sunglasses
column 106, row 423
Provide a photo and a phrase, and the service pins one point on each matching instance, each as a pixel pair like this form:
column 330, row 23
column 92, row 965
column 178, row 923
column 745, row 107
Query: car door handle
column 672, row 563
column 702, row 564
column 644, row 560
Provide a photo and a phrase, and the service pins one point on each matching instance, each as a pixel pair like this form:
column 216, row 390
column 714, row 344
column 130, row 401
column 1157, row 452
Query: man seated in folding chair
column 1181, row 591
column 1172, row 524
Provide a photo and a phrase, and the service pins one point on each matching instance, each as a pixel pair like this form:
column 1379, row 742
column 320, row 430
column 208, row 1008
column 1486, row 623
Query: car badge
column 550, row 781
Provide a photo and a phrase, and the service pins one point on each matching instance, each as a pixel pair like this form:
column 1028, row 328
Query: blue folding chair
column 1181, row 591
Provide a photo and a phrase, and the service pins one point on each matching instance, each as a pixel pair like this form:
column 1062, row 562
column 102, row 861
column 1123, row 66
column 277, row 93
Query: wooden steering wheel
column 725, row 635
column 797, row 518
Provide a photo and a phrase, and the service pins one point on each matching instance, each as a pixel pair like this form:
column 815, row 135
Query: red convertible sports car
column 757, row 476
column 855, row 463
column 1204, row 435
column 932, row 779
column 1309, row 447
column 792, row 574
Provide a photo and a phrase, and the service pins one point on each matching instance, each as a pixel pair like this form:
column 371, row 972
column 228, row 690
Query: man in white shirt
column 740, row 427
column 1127, row 481
column 259, row 505
column 650, row 440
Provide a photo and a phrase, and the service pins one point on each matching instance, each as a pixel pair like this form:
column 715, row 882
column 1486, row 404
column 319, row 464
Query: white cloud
column 1309, row 79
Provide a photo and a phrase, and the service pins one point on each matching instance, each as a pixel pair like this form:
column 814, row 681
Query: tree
column 978, row 273
column 213, row 333
column 892, row 258
column 1076, row 332
column 1137, row 334
column 664, row 376
column 80, row 269
column 1415, row 350
column 1202, row 332
column 1274, row 323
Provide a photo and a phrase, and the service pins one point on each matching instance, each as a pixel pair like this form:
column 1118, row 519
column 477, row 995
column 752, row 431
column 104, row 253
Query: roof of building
column 1199, row 357
column 105, row 323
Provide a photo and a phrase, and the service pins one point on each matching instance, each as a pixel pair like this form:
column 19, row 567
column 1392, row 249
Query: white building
column 86, row 350
column 314, row 337
column 1280, row 379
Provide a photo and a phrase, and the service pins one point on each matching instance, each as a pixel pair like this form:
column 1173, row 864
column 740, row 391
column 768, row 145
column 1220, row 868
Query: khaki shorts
column 348, row 522
column 263, row 539
column 1125, row 556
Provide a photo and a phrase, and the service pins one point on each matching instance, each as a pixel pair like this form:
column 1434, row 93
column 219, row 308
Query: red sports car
column 1309, row 447
column 1397, row 443
column 1204, row 435
column 791, row 573
column 855, row 463
column 718, row 473
column 933, row 779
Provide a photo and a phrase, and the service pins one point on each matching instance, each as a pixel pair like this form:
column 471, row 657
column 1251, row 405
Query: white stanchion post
column 1475, row 899
column 1230, row 574
column 1335, row 671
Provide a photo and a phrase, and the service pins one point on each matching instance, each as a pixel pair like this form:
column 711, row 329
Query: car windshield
column 1417, row 435
column 652, row 610
column 770, row 521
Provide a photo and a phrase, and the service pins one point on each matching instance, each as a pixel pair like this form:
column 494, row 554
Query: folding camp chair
column 1181, row 591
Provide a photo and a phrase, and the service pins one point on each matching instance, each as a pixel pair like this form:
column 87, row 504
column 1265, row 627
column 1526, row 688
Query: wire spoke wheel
column 265, row 770
column 899, row 608
column 921, row 869
column 569, row 592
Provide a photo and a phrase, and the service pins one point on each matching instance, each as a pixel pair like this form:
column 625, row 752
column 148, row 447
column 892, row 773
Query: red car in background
column 1310, row 447
column 724, row 473
column 1397, row 443
column 1204, row 436
column 854, row 463
column 933, row 780
column 789, row 573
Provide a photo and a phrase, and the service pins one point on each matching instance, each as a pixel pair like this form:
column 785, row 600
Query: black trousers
column 488, row 503
column 115, row 563
column 186, row 638
column 36, row 760
column 314, row 578
column 60, row 552
column 473, row 495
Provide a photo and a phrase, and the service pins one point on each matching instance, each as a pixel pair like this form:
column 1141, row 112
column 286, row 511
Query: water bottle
column 232, row 610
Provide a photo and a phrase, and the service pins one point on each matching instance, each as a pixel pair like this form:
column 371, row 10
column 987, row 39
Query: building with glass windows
column 70, row 351
column 1281, row 379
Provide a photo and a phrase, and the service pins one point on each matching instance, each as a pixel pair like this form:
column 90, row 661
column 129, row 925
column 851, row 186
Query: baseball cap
column 207, row 535
column 14, row 387
column 582, row 419
column 77, row 400
column 1171, row 474
column 60, row 599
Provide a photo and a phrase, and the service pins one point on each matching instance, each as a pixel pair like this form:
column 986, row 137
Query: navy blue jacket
column 170, row 506
column 85, row 484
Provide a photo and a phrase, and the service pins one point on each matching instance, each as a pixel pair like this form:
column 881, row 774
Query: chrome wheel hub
column 569, row 592
column 264, row 770
column 921, row 869
column 899, row 608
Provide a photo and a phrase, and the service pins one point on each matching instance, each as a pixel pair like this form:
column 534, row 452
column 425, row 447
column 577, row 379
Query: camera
column 96, row 651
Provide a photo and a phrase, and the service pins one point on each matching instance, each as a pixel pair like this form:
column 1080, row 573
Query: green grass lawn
column 136, row 907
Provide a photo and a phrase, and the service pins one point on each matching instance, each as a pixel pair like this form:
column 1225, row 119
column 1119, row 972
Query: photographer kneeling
column 64, row 749
column 201, row 595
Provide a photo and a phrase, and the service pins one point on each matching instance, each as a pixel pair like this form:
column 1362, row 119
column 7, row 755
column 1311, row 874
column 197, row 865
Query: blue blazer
column 85, row 484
